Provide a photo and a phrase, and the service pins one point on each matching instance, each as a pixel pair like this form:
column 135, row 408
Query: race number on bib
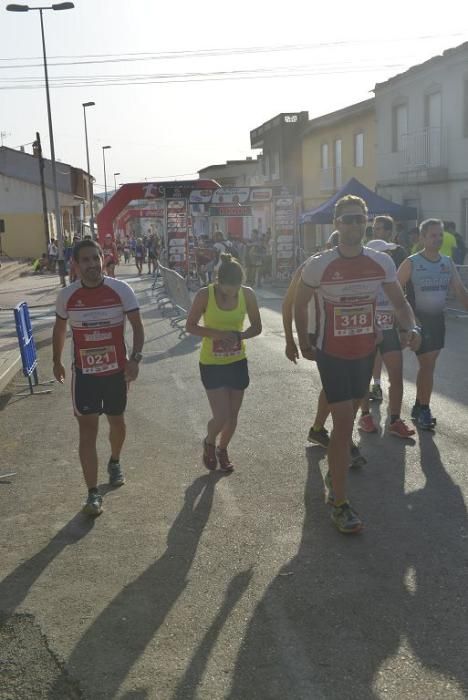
column 353, row 320
column 99, row 360
column 221, row 350
column 385, row 320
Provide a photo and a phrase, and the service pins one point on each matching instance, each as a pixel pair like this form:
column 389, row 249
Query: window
column 359, row 150
column 275, row 166
column 465, row 110
column 399, row 127
column 324, row 156
column 338, row 164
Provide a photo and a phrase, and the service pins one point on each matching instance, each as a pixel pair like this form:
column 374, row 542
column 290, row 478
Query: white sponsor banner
column 231, row 195
column 200, row 196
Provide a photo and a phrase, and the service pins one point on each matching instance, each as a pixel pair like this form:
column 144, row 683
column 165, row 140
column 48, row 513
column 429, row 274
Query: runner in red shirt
column 346, row 280
column 111, row 255
column 96, row 308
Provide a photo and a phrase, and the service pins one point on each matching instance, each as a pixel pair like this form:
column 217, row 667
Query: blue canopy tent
column 375, row 204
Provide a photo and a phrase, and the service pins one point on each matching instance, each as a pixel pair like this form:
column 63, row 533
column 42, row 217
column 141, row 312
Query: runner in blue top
column 428, row 276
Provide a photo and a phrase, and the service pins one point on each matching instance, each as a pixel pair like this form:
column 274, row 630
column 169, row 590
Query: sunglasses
column 349, row 219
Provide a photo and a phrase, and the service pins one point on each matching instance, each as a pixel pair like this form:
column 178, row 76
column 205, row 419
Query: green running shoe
column 375, row 392
column 116, row 475
column 93, row 504
column 346, row 519
column 319, row 437
column 357, row 459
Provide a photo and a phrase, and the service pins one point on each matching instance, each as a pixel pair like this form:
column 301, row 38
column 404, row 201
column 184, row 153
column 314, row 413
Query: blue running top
column 431, row 282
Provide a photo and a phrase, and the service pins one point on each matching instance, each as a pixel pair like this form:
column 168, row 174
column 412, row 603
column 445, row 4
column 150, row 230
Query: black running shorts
column 91, row 394
column 344, row 380
column 432, row 332
column 232, row 376
column 390, row 341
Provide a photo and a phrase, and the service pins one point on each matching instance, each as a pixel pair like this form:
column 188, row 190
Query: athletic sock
column 424, row 405
column 376, row 381
column 394, row 417
column 338, row 504
column 114, row 461
column 93, row 490
column 365, row 413
column 317, row 427
column 416, row 403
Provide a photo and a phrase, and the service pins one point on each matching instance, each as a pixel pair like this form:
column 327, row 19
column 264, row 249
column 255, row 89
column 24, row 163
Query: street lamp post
column 104, row 148
column 115, row 181
column 90, row 183
column 58, row 216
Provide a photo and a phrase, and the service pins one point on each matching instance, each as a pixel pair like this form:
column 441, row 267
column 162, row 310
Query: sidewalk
column 39, row 292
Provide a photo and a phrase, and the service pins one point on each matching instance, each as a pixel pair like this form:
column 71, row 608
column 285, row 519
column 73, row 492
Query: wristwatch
column 136, row 357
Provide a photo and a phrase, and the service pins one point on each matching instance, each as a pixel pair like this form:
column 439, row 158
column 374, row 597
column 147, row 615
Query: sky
column 179, row 85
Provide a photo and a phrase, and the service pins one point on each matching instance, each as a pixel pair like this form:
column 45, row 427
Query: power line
column 252, row 74
column 214, row 52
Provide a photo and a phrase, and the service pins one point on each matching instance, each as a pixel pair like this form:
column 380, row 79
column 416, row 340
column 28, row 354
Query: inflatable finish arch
column 145, row 190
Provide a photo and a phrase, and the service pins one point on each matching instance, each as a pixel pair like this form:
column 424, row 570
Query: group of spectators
column 453, row 244
column 254, row 254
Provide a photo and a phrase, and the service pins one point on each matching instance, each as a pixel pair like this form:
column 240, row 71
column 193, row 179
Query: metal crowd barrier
column 174, row 291
column 455, row 309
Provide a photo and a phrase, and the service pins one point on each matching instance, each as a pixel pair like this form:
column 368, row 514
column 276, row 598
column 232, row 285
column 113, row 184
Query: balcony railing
column 423, row 150
column 331, row 179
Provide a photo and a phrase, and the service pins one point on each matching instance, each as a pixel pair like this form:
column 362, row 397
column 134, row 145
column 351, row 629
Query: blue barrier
column 27, row 346
column 26, row 342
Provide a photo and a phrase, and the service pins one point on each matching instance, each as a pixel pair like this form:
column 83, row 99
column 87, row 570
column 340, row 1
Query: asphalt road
column 200, row 586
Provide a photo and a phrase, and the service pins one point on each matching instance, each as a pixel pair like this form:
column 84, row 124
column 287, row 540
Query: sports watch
column 136, row 357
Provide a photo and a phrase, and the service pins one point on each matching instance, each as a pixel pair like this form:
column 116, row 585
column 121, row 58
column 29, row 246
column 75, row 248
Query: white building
column 422, row 137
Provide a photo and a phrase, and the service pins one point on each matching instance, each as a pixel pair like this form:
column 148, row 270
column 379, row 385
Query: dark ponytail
column 230, row 271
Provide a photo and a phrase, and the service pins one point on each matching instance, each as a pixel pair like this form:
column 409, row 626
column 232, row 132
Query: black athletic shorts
column 91, row 394
column 390, row 341
column 432, row 332
column 344, row 380
column 232, row 376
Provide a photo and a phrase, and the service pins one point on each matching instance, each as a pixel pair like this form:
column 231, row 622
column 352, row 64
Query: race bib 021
column 353, row 320
column 99, row 360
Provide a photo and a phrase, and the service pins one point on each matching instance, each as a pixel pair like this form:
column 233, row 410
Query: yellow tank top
column 212, row 352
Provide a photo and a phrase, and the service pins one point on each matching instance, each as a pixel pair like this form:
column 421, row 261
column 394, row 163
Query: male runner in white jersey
column 346, row 281
column 96, row 307
column 428, row 277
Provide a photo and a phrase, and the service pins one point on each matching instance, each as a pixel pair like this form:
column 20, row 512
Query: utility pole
column 37, row 151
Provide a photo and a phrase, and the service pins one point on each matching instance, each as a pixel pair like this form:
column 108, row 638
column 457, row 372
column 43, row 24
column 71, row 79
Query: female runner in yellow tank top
column 223, row 362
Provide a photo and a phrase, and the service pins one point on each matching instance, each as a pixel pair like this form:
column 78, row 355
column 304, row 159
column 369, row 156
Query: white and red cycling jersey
column 346, row 290
column 97, row 320
column 110, row 254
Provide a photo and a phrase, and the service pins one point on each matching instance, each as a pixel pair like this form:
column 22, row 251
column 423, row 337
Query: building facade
column 422, row 136
column 21, row 204
column 335, row 148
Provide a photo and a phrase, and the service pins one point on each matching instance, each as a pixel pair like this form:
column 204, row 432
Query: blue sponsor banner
column 25, row 339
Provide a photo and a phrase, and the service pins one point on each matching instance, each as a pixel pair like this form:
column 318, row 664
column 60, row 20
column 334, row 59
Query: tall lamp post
column 115, row 181
column 58, row 216
column 104, row 148
column 90, row 182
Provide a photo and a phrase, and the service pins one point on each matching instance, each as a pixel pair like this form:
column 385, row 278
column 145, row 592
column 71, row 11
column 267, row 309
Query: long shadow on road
column 333, row 622
column 114, row 642
column 15, row 587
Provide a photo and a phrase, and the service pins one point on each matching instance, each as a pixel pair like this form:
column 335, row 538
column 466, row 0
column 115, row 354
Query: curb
column 9, row 373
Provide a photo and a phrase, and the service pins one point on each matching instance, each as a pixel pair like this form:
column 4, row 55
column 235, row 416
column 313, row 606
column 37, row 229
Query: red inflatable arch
column 146, row 190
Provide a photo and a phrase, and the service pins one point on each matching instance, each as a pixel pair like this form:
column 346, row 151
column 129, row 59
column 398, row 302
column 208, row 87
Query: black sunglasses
column 352, row 219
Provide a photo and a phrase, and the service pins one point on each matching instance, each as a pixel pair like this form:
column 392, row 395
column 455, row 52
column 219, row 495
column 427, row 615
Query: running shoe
column 375, row 392
column 366, row 424
column 425, row 421
column 415, row 413
column 357, row 459
column 116, row 475
column 209, row 456
column 400, row 429
column 93, row 504
column 225, row 463
column 329, row 486
column 346, row 519
column 319, row 437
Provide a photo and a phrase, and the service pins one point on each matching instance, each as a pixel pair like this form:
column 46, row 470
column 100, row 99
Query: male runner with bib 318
column 428, row 277
column 96, row 307
column 346, row 281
